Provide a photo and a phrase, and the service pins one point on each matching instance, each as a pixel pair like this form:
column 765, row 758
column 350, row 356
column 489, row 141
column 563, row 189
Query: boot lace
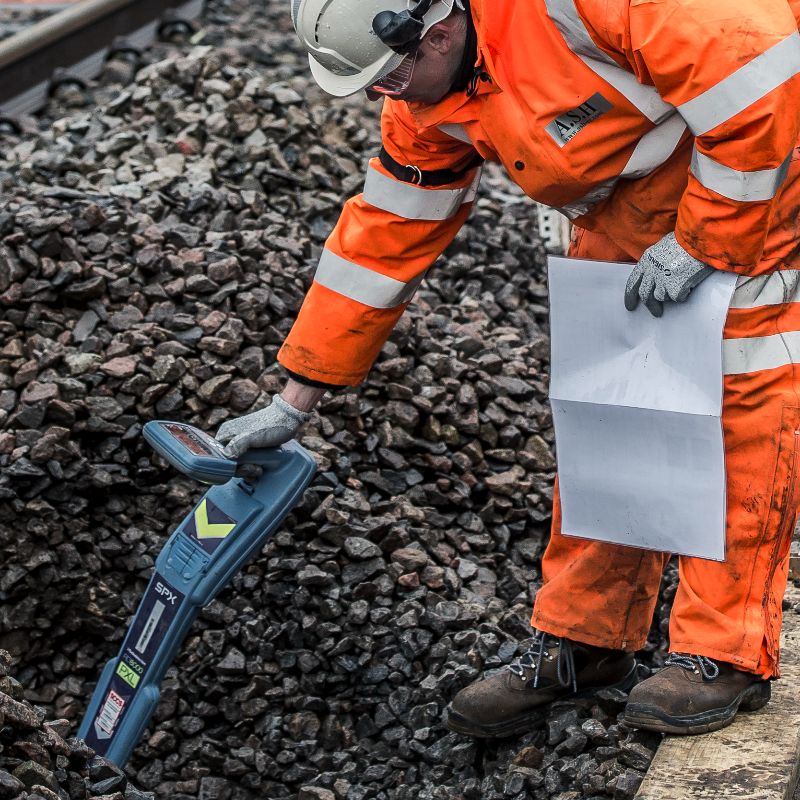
column 698, row 664
column 538, row 651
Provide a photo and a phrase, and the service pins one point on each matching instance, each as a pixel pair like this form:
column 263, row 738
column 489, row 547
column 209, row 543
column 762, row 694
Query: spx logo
column 168, row 595
column 206, row 529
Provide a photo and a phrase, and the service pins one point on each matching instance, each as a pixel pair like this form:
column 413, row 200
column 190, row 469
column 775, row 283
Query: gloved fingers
column 683, row 294
column 646, row 287
column 267, row 437
column 632, row 288
column 647, row 295
column 660, row 291
column 239, row 445
column 655, row 307
column 236, row 446
column 245, row 424
column 695, row 280
column 227, row 431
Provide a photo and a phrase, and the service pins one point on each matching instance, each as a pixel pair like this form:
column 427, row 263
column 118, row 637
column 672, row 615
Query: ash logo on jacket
column 566, row 125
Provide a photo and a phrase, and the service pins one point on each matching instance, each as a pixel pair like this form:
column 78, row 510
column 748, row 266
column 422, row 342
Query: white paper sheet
column 637, row 409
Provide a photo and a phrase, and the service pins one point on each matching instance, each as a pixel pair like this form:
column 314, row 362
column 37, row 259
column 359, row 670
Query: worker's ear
column 443, row 36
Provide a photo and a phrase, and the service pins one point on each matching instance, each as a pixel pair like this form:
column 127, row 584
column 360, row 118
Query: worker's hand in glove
column 664, row 272
column 269, row 427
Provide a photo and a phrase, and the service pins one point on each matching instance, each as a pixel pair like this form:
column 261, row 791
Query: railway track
column 72, row 45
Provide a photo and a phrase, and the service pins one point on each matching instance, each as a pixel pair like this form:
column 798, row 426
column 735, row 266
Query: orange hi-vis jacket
column 633, row 117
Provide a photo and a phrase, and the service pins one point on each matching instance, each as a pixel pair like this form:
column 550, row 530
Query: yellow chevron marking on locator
column 210, row 530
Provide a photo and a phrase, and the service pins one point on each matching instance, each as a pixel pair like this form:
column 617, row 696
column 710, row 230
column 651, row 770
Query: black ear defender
column 402, row 32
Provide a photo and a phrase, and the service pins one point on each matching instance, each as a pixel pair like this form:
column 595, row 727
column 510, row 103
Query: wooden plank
column 755, row 758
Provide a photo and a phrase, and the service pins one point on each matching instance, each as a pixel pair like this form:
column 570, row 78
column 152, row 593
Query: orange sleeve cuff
column 340, row 354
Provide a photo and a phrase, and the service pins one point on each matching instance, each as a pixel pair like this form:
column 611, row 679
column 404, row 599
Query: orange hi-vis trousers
column 604, row 594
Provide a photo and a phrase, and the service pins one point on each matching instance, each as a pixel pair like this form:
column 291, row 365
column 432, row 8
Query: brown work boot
column 693, row 694
column 515, row 699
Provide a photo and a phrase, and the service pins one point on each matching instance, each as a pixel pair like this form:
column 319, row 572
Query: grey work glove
column 269, row 427
column 664, row 272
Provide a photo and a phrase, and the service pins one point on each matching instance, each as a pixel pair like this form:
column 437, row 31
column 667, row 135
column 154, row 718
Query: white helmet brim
column 345, row 85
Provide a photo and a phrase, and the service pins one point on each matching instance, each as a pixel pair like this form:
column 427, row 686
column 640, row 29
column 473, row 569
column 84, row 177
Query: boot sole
column 652, row 718
column 527, row 722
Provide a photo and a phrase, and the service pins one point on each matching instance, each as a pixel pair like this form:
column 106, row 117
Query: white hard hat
column 344, row 52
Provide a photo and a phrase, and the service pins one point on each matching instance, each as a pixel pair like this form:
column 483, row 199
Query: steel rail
column 76, row 42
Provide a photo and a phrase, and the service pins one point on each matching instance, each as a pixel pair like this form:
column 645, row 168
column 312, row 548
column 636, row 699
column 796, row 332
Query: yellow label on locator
column 127, row 674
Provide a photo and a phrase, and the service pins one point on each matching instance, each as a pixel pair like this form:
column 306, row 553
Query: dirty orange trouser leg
column 604, row 594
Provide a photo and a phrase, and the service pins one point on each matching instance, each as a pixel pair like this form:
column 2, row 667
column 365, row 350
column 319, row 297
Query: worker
column 666, row 131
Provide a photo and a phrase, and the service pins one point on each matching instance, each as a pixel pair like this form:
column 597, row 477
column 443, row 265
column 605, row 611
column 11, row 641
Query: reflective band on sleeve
column 740, row 356
column 761, row 184
column 767, row 290
column 415, row 202
column 361, row 284
column 645, row 98
column 744, row 87
column 651, row 151
column 568, row 21
column 456, row 131
column 655, row 147
column 583, row 205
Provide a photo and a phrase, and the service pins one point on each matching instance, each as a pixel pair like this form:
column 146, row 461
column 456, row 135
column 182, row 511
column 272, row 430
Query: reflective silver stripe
column 740, row 356
column 760, row 184
column 655, row 147
column 651, row 151
column 767, row 290
column 456, row 131
column 415, row 202
column 645, row 98
column 586, row 203
column 743, row 87
column 568, row 21
column 361, row 284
